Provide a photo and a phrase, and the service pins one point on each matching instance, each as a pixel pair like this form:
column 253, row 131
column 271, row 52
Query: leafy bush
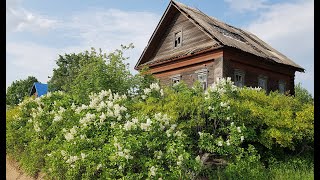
column 155, row 133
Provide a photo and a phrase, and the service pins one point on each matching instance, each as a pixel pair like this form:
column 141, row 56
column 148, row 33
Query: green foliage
column 302, row 94
column 246, row 166
column 86, row 72
column 19, row 89
column 152, row 133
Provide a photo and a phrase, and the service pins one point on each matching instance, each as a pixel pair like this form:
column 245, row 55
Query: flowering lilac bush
column 153, row 133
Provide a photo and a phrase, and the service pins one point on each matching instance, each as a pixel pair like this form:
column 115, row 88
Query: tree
column 302, row 94
column 83, row 73
column 19, row 89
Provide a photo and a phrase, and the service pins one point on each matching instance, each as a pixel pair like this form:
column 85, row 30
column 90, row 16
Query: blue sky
column 39, row 30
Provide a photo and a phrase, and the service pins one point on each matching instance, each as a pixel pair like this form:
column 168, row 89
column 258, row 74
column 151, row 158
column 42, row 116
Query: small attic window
column 228, row 34
column 177, row 39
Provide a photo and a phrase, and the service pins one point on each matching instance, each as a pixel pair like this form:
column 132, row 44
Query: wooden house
column 188, row 45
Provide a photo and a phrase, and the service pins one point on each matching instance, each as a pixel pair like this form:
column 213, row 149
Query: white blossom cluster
column 221, row 85
column 131, row 124
column 158, row 154
column 72, row 132
column 180, row 159
column 153, row 171
column 255, row 88
column 58, row 116
column 153, row 86
column 120, row 151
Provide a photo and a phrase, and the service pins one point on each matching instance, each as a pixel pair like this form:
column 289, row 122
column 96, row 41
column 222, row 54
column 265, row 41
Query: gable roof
column 226, row 35
column 40, row 88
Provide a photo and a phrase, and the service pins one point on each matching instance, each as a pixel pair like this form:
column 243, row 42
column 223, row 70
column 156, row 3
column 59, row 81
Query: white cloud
column 104, row 28
column 289, row 28
column 109, row 28
column 246, row 5
column 28, row 58
column 20, row 19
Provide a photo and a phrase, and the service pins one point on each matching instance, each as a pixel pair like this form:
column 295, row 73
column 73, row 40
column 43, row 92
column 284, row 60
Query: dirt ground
column 14, row 172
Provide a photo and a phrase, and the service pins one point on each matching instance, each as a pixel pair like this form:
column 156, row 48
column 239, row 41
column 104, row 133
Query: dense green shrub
column 156, row 133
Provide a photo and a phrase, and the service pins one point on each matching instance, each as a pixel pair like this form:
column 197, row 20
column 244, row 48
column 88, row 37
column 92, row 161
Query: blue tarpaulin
column 40, row 88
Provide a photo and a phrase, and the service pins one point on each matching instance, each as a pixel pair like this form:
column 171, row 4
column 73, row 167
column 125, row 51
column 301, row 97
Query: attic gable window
column 177, row 39
column 239, row 77
column 228, row 33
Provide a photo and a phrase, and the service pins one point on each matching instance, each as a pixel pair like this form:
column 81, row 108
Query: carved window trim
column 282, row 86
column 202, row 76
column 239, row 77
column 263, row 82
column 175, row 79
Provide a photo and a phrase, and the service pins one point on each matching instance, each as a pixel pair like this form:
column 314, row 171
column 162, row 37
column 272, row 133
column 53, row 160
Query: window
column 282, row 86
column 178, row 39
column 175, row 79
column 203, row 78
column 239, row 77
column 262, row 82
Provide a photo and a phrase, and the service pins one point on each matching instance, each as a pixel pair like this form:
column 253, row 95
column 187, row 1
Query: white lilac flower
column 153, row 171
column 239, row 129
column 36, row 127
column 242, row 138
column 127, row 116
column 112, row 124
column 200, row 133
column 69, row 136
column 116, row 96
column 161, row 92
column 145, row 126
column 61, row 110
column 63, row 153
column 83, row 155
column 102, row 117
column 178, row 134
column 72, row 159
column 223, row 104
column 101, row 106
column 99, row 166
column 228, row 118
column 128, row 125
column 135, row 120
column 155, row 86
column 83, row 136
column 228, row 142
column 73, row 106
column 219, row 143
column 168, row 133
column 232, row 123
column 198, row 159
column 143, row 96
column 147, row 91
column 120, row 153
column 73, row 130
column 57, row 118
column 49, row 154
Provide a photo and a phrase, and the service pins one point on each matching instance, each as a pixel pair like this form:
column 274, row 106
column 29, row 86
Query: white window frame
column 204, row 81
column 263, row 79
column 175, row 79
column 241, row 73
column 283, row 84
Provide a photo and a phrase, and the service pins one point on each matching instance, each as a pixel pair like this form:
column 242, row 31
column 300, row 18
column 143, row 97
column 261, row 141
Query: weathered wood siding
column 187, row 67
column 191, row 36
column 254, row 66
